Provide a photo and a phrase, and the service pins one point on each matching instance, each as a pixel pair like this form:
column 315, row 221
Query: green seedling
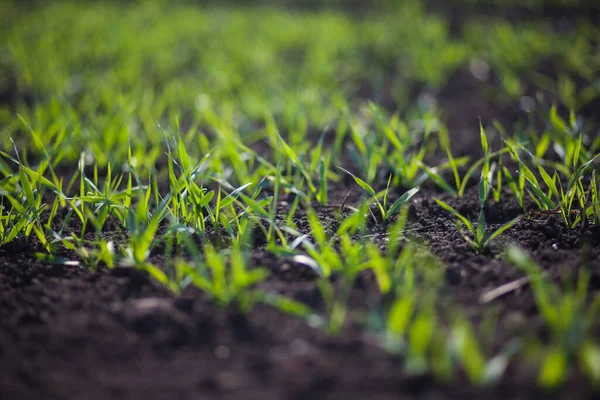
column 89, row 255
column 466, row 349
column 460, row 183
column 594, row 209
column 569, row 203
column 26, row 198
column 224, row 277
column 453, row 164
column 306, row 172
column 569, row 317
column 477, row 236
column 385, row 211
column 143, row 225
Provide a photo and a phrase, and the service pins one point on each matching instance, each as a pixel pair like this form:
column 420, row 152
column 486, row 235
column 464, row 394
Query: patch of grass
column 569, row 317
column 477, row 237
column 177, row 139
column 385, row 211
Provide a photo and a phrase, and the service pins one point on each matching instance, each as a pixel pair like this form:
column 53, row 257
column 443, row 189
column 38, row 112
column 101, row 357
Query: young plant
column 230, row 283
column 517, row 187
column 465, row 348
column 569, row 317
column 25, row 192
column 90, row 254
column 453, row 163
column 569, row 203
column 594, row 208
column 400, row 147
column 385, row 212
column 409, row 280
column 409, row 320
column 477, row 236
column 460, row 183
column 224, row 276
column 300, row 174
column 143, row 225
column 351, row 259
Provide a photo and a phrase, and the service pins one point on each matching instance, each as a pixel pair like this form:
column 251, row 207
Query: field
column 299, row 199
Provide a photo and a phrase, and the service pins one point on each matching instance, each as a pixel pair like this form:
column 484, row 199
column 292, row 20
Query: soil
column 114, row 333
column 70, row 333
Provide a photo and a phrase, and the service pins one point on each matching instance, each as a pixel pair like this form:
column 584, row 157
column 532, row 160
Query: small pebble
column 480, row 70
column 222, row 352
column 299, row 347
column 515, row 321
column 527, row 104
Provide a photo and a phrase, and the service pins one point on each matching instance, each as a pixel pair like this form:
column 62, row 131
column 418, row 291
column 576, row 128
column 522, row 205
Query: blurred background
column 113, row 69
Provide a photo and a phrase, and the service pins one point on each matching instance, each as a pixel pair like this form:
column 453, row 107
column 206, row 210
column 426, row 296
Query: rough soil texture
column 70, row 333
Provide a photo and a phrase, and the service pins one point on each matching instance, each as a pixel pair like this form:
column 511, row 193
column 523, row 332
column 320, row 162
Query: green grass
column 569, row 319
column 477, row 237
column 201, row 133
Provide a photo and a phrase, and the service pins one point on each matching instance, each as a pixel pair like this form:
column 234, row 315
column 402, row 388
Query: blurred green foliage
column 108, row 72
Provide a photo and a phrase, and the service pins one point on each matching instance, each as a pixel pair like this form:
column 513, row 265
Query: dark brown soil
column 69, row 333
